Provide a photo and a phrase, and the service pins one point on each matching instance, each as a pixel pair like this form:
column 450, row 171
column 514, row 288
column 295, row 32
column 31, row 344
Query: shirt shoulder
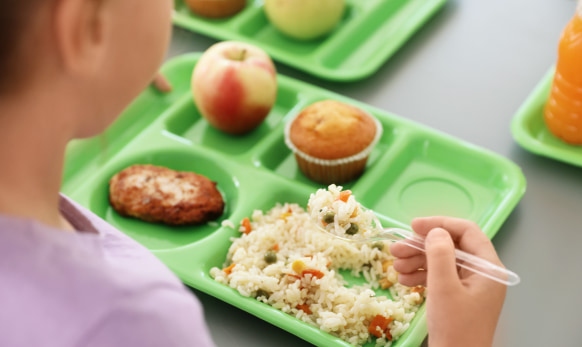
column 72, row 287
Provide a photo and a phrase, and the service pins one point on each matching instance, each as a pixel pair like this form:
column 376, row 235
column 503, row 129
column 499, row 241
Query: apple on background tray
column 305, row 19
column 234, row 86
column 216, row 8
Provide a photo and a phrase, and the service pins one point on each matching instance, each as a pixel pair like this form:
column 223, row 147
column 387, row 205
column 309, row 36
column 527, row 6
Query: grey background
column 465, row 73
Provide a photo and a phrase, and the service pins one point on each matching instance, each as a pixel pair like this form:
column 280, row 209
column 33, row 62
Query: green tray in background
column 530, row 131
column 413, row 171
column 369, row 33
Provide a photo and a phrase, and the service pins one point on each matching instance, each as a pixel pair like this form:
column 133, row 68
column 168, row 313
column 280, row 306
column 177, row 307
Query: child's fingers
column 417, row 278
column 410, row 265
column 466, row 234
column 440, row 255
column 401, row 250
column 161, row 83
column 455, row 226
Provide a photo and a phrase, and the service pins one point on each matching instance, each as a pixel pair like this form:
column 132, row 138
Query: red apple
column 216, row 8
column 234, row 85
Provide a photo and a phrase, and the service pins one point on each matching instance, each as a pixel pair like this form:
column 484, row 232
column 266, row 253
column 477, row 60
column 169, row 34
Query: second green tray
column 369, row 33
column 530, row 130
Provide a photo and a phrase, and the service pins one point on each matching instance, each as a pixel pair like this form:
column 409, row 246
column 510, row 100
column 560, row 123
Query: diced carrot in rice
column 228, row 270
column 304, row 308
column 386, row 265
column 312, row 272
column 378, row 325
column 246, row 224
column 385, row 283
column 344, row 195
column 418, row 289
column 294, row 276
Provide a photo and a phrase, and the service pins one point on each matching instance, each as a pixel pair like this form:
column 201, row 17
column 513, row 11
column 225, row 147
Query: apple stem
column 242, row 55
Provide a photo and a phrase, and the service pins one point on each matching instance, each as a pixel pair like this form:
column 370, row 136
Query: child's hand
column 462, row 307
column 161, row 83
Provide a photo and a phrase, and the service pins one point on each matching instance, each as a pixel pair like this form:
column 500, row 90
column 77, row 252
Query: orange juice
column 563, row 111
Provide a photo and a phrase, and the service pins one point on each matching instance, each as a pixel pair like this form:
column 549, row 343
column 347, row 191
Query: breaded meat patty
column 161, row 195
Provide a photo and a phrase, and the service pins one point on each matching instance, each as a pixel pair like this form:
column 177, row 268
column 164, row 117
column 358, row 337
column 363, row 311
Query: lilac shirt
column 93, row 288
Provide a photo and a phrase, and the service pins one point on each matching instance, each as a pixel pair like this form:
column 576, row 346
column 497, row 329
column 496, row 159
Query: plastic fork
column 465, row 260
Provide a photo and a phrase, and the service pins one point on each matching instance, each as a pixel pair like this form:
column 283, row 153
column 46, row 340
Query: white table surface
column 465, row 73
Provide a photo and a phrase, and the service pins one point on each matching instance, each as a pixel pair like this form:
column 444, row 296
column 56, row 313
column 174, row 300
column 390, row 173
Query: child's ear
column 79, row 32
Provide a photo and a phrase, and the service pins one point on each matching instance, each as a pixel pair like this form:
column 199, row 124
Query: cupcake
column 332, row 141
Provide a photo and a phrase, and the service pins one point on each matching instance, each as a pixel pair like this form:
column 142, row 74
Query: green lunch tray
column 369, row 33
column 529, row 128
column 413, row 171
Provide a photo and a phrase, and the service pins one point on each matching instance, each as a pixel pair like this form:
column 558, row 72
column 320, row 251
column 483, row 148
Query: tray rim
column 525, row 138
column 430, row 7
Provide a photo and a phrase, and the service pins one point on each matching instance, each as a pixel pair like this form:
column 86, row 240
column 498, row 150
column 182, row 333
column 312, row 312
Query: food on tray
column 234, row 85
column 216, row 8
column 304, row 19
column 332, row 140
column 337, row 211
column 563, row 111
column 158, row 194
column 284, row 260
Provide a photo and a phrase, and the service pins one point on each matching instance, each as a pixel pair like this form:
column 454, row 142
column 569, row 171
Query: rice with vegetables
column 284, row 260
column 338, row 212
